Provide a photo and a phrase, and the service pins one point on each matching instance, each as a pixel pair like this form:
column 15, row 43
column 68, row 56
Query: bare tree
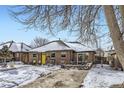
column 38, row 41
column 81, row 20
column 85, row 21
column 5, row 53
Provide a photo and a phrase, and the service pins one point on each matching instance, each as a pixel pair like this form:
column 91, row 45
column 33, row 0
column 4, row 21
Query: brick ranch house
column 19, row 50
column 59, row 52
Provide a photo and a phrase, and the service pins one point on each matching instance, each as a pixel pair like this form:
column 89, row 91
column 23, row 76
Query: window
column 80, row 57
column 53, row 54
column 62, row 61
column 85, row 56
column 63, row 54
column 52, row 61
column 34, row 55
column 17, row 54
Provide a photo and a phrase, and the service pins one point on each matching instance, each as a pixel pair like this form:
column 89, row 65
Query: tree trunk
column 115, row 32
column 121, row 7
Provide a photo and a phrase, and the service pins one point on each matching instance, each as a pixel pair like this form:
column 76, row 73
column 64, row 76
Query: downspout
column 77, row 58
column 21, row 52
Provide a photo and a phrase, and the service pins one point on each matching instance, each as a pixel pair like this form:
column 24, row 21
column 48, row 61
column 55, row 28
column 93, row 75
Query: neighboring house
column 112, row 58
column 55, row 52
column 114, row 61
column 19, row 50
column 59, row 52
column 101, row 56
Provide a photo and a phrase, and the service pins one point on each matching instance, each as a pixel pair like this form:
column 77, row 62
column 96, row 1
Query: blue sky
column 11, row 30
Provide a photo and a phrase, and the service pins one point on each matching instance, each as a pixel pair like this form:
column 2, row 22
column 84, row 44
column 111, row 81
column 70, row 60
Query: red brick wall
column 58, row 59
column 70, row 56
column 31, row 57
column 91, row 57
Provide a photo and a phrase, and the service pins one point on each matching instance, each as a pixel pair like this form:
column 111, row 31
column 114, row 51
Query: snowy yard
column 99, row 77
column 23, row 74
column 63, row 78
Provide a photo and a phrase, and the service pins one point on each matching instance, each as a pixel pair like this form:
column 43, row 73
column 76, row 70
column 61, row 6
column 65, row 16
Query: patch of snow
column 23, row 75
column 16, row 47
column 78, row 47
column 99, row 77
column 16, row 65
column 5, row 84
column 19, row 47
column 59, row 45
column 52, row 47
column 13, row 47
column 25, row 48
column 6, row 44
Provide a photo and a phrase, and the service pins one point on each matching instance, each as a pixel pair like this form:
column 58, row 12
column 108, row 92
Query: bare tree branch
column 38, row 41
column 80, row 19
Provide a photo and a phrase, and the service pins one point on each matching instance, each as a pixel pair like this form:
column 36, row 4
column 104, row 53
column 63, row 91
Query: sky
column 11, row 30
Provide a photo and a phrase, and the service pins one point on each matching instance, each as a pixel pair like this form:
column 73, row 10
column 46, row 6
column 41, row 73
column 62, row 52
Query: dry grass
column 60, row 79
column 118, row 85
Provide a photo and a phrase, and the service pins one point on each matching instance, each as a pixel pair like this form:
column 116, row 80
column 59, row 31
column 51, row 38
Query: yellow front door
column 43, row 59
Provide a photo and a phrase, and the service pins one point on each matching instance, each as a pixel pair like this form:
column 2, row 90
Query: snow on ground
column 13, row 65
column 23, row 74
column 99, row 77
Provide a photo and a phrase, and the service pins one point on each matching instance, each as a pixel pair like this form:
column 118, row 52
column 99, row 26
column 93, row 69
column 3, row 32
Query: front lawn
column 23, row 74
